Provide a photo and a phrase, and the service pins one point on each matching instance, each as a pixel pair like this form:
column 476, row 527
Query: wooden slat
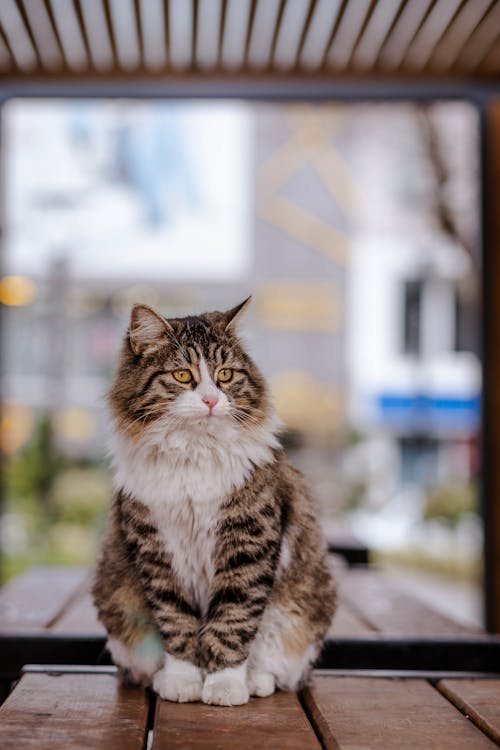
column 23, row 52
column 153, row 34
column 317, row 39
column 425, row 42
column 387, row 714
column 290, row 33
column 235, row 33
column 457, row 34
column 481, row 41
column 274, row 722
column 382, row 22
column 26, row 20
column 34, row 599
column 45, row 39
column 77, row 711
column 97, row 35
column 79, row 617
column 71, row 35
column 348, row 624
column 259, row 50
column 180, row 20
column 403, row 33
column 126, row 33
column 388, row 609
column 478, row 699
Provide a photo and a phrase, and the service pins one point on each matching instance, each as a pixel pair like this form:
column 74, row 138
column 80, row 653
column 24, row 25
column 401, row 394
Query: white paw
column 261, row 683
column 227, row 687
column 178, row 681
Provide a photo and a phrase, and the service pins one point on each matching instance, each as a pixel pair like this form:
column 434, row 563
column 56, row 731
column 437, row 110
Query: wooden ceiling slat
column 334, row 30
column 318, row 37
column 166, row 29
column 276, row 31
column 180, row 19
column 251, row 19
column 304, row 32
column 235, row 32
column 96, row 33
column 458, row 32
column 6, row 56
column 207, row 36
column 481, row 41
column 125, row 33
column 194, row 28
column 259, row 51
column 24, row 53
column 403, row 33
column 382, row 22
column 154, row 52
column 425, row 42
column 27, row 25
column 290, row 33
column 349, row 31
column 222, row 26
column 69, row 24
column 140, row 32
column 55, row 31
column 398, row 37
column 111, row 32
column 362, row 28
column 43, row 32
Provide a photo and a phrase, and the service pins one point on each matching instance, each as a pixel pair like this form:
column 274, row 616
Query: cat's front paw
column 178, row 681
column 261, row 683
column 226, row 688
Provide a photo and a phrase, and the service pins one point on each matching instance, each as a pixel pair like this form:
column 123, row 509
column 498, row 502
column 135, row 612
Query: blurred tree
column 33, row 472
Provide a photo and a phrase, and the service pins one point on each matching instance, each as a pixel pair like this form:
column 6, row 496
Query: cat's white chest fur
column 187, row 528
column 183, row 478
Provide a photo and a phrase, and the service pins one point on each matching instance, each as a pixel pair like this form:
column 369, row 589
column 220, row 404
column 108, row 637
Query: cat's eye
column 182, row 376
column 225, row 375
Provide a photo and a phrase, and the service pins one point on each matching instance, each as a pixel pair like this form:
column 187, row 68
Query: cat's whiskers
column 241, row 416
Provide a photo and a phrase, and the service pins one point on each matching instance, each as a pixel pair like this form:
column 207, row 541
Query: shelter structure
column 414, row 50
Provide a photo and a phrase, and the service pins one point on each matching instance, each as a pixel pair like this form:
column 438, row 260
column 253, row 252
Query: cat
column 213, row 582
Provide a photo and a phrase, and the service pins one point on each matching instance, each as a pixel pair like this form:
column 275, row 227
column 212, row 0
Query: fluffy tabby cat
column 213, row 582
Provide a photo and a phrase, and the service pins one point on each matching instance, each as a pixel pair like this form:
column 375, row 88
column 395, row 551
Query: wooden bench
column 395, row 674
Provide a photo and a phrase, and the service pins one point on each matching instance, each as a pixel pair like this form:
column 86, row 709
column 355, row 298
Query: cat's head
column 187, row 373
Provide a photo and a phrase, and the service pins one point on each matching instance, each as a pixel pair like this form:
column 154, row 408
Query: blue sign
column 420, row 411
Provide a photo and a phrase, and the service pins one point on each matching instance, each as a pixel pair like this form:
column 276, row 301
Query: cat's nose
column 210, row 401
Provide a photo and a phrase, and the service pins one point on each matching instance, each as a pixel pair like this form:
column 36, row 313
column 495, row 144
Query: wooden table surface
column 57, row 600
column 53, row 709
column 84, row 706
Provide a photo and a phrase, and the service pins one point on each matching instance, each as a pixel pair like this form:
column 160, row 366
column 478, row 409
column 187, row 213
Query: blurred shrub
column 450, row 501
column 80, row 494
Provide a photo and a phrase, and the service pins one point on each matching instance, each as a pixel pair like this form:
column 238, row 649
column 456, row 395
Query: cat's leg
column 169, row 604
column 281, row 654
column 178, row 680
column 245, row 565
column 139, row 663
column 227, row 687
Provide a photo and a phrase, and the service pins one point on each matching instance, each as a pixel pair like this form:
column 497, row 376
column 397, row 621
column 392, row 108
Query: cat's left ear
column 232, row 316
column 146, row 327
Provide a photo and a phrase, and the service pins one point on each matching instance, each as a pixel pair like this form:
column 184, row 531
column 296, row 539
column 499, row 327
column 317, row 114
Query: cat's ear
column 233, row 316
column 146, row 327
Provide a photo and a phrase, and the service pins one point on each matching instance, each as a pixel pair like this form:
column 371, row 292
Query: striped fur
column 212, row 580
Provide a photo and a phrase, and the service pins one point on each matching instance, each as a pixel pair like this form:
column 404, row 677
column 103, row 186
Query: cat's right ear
column 146, row 327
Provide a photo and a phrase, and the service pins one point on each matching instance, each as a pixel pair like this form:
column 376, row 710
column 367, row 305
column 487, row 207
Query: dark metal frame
column 429, row 654
column 292, row 88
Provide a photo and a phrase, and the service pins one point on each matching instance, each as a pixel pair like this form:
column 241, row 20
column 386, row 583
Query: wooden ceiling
column 89, row 39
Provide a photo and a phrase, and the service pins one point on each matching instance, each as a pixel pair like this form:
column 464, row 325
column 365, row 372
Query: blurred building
column 321, row 212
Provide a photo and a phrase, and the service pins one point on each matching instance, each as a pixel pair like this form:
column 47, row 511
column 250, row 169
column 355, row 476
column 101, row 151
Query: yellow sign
column 296, row 306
